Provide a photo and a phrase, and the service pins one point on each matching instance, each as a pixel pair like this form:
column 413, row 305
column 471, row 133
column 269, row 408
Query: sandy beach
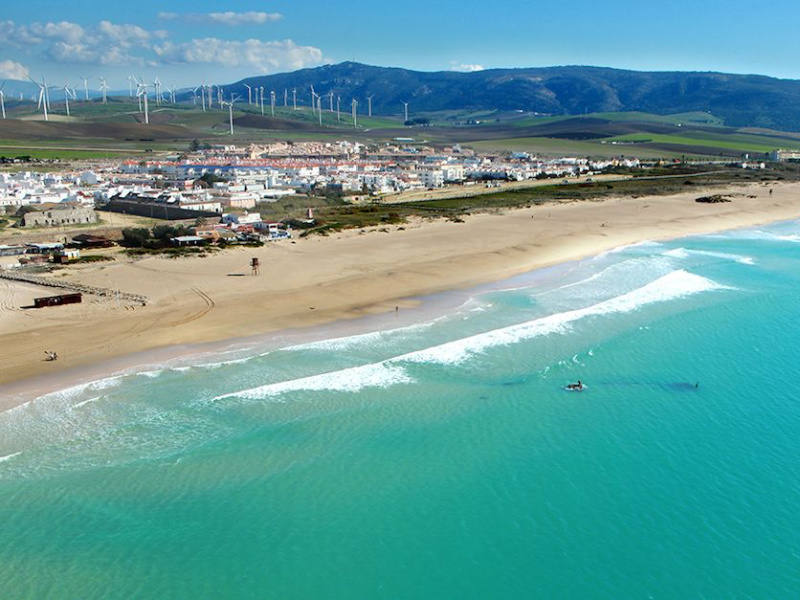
column 324, row 279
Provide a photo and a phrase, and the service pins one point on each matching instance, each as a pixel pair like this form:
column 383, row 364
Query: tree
column 135, row 237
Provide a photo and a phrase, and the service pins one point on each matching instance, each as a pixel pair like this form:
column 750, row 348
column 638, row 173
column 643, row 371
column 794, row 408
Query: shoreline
column 319, row 285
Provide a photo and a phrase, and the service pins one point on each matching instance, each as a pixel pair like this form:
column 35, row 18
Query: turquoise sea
column 435, row 454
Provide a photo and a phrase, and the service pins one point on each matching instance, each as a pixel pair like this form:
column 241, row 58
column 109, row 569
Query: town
column 220, row 188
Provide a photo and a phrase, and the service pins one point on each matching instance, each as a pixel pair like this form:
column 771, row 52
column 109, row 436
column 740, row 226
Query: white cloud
column 465, row 68
column 106, row 43
column 63, row 31
column 229, row 18
column 265, row 56
column 123, row 35
column 13, row 70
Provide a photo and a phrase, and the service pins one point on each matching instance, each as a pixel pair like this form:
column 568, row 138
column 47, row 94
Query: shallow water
column 443, row 459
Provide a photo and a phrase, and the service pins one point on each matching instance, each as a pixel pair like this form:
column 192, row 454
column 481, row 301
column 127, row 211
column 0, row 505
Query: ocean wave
column 354, row 379
column 686, row 253
column 674, row 285
column 677, row 284
column 9, row 456
column 618, row 249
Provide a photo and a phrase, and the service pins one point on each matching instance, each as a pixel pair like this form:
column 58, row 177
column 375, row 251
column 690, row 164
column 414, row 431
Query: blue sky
column 184, row 42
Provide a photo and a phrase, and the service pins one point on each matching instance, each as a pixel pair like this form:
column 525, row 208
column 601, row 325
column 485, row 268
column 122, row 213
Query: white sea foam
column 674, row 285
column 618, row 249
column 684, row 253
column 354, row 379
column 9, row 456
column 350, row 341
column 85, row 402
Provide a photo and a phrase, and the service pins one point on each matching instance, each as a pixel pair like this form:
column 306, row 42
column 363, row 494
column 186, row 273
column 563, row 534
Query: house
column 187, row 240
column 56, row 215
column 86, row 240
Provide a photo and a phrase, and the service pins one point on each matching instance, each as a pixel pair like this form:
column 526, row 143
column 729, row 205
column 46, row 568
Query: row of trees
column 158, row 237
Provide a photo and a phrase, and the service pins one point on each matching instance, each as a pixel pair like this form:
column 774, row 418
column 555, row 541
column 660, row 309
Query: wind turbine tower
column 230, row 109
column 142, row 94
column 250, row 94
column 405, row 112
column 294, row 99
column 104, row 89
column 354, row 104
column 67, row 92
column 42, row 97
column 369, row 104
column 3, row 100
column 272, row 102
column 202, row 88
column 86, row 88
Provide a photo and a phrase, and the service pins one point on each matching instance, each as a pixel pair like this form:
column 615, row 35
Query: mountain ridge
column 741, row 100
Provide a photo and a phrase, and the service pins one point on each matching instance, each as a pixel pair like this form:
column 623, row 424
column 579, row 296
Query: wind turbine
column 405, row 112
column 67, row 93
column 42, row 97
column 141, row 92
column 86, row 88
column 338, row 112
column 330, row 97
column 104, row 89
column 157, row 90
column 230, row 109
column 250, row 94
column 3, row 100
column 313, row 100
column 369, row 104
column 285, row 98
column 319, row 109
column 294, row 99
column 354, row 104
column 130, row 85
column 261, row 92
column 272, row 102
column 202, row 88
column 172, row 93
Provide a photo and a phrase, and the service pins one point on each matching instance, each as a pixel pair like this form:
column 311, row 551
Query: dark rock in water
column 715, row 199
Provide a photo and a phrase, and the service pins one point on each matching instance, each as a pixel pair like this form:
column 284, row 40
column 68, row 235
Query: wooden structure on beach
column 59, row 300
